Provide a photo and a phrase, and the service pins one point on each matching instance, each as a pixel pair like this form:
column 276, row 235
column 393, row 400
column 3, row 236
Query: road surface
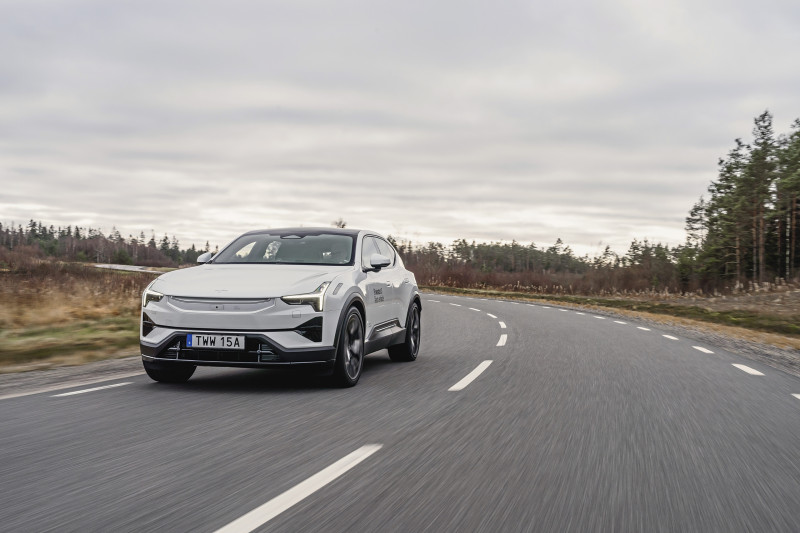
column 515, row 417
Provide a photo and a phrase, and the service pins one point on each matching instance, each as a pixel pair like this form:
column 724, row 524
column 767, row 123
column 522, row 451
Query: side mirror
column 378, row 261
column 204, row 258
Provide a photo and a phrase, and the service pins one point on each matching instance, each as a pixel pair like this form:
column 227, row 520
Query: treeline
column 646, row 267
column 745, row 233
column 76, row 243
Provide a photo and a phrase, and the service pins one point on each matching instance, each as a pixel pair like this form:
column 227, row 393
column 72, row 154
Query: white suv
column 280, row 297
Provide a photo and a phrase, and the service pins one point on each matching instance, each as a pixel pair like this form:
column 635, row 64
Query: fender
column 354, row 297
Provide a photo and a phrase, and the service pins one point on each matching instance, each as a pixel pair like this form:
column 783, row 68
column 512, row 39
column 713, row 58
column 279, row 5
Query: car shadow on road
column 255, row 380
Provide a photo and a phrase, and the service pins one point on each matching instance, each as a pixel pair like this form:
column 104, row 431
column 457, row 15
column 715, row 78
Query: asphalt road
column 578, row 423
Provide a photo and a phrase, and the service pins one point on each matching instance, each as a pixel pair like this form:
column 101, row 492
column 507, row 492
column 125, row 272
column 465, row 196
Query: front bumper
column 260, row 351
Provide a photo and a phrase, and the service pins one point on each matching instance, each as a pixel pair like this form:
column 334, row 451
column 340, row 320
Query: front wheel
column 169, row 373
column 409, row 348
column 350, row 356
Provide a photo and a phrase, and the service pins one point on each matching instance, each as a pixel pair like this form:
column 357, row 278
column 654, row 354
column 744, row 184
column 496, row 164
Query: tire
column 178, row 373
column 409, row 348
column 350, row 353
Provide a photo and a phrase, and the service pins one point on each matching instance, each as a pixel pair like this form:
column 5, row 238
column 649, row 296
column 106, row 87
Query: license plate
column 215, row 342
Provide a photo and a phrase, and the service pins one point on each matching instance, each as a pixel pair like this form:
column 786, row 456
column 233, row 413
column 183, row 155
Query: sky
column 593, row 121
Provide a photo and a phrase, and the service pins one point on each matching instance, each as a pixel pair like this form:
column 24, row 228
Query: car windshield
column 291, row 248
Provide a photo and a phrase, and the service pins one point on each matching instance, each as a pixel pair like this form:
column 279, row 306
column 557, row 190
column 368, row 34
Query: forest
column 741, row 236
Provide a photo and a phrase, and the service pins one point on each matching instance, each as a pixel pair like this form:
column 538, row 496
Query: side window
column 384, row 248
column 368, row 248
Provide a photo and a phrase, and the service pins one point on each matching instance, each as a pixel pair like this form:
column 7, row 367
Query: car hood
column 244, row 281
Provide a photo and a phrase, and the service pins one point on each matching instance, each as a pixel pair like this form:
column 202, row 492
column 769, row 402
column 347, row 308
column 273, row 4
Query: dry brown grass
column 67, row 311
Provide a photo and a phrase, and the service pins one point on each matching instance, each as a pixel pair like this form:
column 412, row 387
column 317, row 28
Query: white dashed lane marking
column 577, row 313
column 90, row 390
column 455, row 305
column 469, row 378
column 264, row 513
column 600, row 317
column 545, row 307
column 620, row 322
column 491, row 315
column 564, row 310
column 434, row 301
column 796, row 396
column 643, row 329
column 503, row 339
column 670, row 337
column 751, row 371
column 473, row 309
column 502, row 325
column 701, row 349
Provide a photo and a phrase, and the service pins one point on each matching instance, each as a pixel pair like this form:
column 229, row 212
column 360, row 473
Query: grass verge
column 752, row 320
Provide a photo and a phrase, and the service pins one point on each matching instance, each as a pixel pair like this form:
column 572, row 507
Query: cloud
column 590, row 121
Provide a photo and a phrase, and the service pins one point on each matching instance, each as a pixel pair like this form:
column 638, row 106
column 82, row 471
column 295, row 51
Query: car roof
column 308, row 231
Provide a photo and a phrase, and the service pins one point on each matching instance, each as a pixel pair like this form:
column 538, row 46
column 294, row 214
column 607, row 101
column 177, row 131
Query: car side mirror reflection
column 203, row 258
column 378, row 261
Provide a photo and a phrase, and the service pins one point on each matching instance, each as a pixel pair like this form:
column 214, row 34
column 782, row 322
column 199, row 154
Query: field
column 56, row 313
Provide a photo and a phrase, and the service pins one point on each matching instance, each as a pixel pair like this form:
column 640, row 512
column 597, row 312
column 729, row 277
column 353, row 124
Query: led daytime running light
column 151, row 296
column 314, row 299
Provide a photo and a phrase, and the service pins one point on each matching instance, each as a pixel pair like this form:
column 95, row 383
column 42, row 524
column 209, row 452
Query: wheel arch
column 354, row 300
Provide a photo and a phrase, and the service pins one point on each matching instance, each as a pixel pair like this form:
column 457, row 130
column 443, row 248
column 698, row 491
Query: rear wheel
column 409, row 348
column 350, row 356
column 169, row 373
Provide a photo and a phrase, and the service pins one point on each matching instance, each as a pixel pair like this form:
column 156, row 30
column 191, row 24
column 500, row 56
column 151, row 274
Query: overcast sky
column 595, row 121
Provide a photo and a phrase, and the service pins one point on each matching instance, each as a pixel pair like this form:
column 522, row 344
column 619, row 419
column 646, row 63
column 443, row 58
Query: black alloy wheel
column 409, row 348
column 350, row 359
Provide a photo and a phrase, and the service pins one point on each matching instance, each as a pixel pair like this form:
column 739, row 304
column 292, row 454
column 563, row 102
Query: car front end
column 270, row 298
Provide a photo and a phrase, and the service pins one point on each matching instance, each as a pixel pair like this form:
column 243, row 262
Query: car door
column 396, row 276
column 379, row 289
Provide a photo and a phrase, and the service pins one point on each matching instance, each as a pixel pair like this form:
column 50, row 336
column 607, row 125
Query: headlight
column 149, row 295
column 314, row 299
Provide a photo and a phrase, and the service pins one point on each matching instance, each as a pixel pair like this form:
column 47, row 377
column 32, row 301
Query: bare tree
column 339, row 223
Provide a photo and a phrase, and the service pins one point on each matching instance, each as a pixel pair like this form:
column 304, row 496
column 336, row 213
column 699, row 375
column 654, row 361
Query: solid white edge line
column 264, row 513
column 473, row 309
column 491, row 315
column 469, row 378
column 643, row 329
column 751, row 371
column 502, row 325
column 620, row 322
column 701, row 349
column 63, row 386
column 670, row 337
column 82, row 391
column 503, row 339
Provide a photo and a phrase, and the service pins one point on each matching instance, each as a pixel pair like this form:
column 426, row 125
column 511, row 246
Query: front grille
column 255, row 350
